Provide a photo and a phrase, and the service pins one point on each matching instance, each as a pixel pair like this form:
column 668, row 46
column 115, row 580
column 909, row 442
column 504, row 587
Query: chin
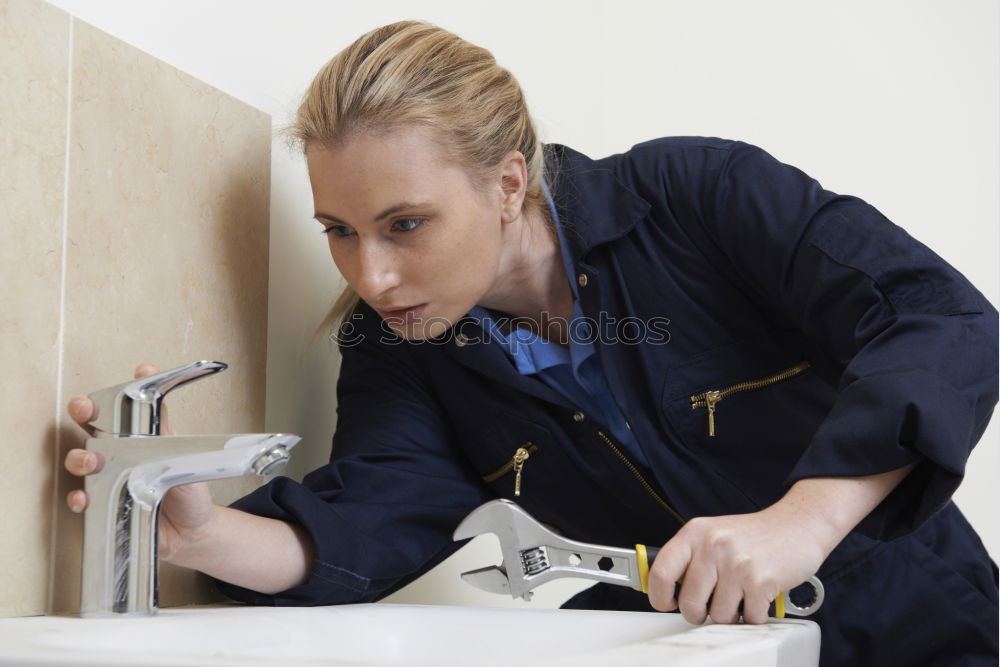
column 422, row 330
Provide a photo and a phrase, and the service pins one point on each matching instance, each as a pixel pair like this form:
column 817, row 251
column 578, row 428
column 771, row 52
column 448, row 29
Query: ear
column 513, row 185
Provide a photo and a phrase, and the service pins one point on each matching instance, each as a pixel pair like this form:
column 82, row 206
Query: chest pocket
column 749, row 409
column 514, row 466
column 514, row 456
column 559, row 484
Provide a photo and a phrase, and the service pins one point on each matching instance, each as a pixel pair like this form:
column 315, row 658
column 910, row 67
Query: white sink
column 385, row 634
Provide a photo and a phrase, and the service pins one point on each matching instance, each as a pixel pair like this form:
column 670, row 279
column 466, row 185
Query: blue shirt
column 575, row 372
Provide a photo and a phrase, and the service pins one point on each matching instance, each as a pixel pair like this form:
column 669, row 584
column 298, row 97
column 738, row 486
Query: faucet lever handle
column 133, row 407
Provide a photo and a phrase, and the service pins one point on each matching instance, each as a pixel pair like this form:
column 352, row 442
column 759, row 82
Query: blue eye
column 338, row 231
column 409, row 228
column 403, row 225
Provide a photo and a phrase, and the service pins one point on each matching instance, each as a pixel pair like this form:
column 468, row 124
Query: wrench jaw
column 512, row 527
column 492, row 579
column 534, row 555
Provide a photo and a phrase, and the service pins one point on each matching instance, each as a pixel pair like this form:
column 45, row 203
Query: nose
column 378, row 271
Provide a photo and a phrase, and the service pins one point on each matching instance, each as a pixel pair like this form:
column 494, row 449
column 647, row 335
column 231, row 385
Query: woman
column 688, row 344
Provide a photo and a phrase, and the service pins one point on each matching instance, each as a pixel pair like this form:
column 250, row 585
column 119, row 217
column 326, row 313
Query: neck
column 531, row 284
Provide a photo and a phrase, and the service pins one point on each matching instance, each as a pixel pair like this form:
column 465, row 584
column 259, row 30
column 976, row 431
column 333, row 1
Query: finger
column 82, row 462
column 666, row 571
column 81, row 410
column 725, row 600
column 77, row 500
column 700, row 579
column 757, row 601
column 146, row 369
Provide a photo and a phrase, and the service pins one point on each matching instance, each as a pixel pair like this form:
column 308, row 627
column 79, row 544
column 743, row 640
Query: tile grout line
column 60, row 338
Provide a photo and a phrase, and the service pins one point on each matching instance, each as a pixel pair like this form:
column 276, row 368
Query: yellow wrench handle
column 644, row 557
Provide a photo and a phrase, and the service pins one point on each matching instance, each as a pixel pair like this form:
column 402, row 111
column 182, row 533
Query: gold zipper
column 516, row 464
column 638, row 476
column 520, row 456
column 708, row 399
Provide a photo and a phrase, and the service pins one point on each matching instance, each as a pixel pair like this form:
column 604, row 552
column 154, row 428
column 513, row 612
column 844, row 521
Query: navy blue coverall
column 758, row 269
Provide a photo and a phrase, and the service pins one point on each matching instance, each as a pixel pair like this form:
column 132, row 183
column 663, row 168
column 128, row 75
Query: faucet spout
column 120, row 558
column 200, row 458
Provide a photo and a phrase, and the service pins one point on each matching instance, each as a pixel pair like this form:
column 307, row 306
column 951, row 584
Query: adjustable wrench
column 533, row 555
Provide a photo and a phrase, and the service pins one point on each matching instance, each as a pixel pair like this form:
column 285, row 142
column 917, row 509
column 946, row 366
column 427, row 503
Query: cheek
column 472, row 258
column 461, row 248
column 485, row 247
column 333, row 252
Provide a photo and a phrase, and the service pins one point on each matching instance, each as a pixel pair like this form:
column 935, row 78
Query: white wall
column 893, row 101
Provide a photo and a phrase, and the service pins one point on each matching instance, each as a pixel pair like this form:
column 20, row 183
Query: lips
column 407, row 313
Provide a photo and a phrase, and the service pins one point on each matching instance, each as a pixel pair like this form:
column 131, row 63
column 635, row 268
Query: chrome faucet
column 120, row 559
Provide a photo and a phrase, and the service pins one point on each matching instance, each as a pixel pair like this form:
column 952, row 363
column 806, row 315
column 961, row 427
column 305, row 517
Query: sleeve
column 914, row 343
column 383, row 510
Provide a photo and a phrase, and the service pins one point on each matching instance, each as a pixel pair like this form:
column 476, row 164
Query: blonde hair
column 413, row 72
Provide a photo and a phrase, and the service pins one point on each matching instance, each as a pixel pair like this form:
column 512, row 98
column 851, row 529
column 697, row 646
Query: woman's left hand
column 724, row 560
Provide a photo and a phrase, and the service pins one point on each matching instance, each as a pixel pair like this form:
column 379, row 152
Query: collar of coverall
column 594, row 206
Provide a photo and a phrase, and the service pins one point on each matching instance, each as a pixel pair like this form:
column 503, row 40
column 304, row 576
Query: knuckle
column 719, row 541
column 742, row 563
column 695, row 525
column 761, row 582
column 658, row 577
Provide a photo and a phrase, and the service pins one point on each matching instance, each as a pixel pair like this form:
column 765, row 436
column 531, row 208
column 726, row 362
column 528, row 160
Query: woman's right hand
column 186, row 512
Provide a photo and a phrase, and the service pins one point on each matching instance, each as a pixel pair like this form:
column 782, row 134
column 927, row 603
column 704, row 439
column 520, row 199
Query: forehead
column 401, row 163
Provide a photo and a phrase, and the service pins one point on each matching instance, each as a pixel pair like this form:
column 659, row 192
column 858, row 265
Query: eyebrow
column 384, row 214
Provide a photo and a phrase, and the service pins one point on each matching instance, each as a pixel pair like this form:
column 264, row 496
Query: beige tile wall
column 165, row 247
column 33, row 87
